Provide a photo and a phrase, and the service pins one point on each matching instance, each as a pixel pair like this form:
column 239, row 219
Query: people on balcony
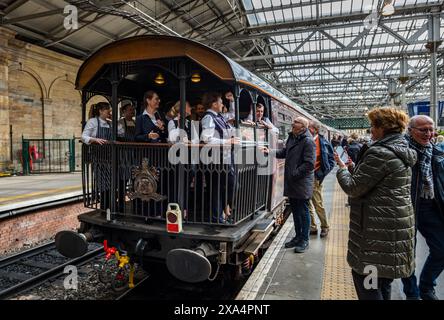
column 198, row 112
column 126, row 127
column 228, row 109
column 98, row 128
column 260, row 119
column 217, row 131
column 150, row 126
column 173, row 125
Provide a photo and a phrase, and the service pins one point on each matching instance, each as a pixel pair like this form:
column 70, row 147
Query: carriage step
column 263, row 225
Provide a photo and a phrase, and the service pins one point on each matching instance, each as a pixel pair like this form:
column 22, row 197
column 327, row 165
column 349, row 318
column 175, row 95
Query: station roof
column 334, row 57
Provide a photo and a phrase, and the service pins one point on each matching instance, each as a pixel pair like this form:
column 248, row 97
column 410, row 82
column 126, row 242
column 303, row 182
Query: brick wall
column 30, row 228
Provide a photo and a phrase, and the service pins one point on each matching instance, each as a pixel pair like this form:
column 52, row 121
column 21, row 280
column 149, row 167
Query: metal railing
column 204, row 190
column 48, row 155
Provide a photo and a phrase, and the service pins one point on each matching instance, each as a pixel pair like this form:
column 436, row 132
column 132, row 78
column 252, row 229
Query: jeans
column 301, row 217
column 431, row 226
column 410, row 284
column 382, row 292
column 410, row 287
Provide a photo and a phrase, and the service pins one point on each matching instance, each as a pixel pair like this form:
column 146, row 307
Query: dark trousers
column 431, row 226
column 383, row 291
column 410, row 287
column 301, row 217
column 222, row 191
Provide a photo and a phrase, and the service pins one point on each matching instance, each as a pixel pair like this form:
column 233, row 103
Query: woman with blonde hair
column 173, row 125
column 382, row 221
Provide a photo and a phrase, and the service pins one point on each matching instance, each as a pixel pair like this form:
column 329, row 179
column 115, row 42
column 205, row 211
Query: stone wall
column 37, row 96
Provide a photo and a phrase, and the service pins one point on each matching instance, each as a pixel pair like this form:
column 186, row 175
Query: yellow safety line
column 337, row 282
column 28, row 195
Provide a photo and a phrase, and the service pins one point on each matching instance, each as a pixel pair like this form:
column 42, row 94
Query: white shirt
column 267, row 121
column 230, row 114
column 209, row 133
column 90, row 130
column 173, row 131
column 152, row 117
column 121, row 126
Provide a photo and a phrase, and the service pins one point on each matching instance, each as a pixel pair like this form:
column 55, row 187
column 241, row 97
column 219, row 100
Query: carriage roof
column 150, row 47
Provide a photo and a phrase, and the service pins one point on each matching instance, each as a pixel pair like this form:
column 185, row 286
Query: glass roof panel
column 339, row 45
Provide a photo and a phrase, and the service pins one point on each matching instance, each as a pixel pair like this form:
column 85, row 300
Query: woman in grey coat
column 382, row 231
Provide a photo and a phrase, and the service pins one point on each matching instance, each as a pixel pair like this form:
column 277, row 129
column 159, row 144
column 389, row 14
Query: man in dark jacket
column 428, row 202
column 324, row 163
column 299, row 154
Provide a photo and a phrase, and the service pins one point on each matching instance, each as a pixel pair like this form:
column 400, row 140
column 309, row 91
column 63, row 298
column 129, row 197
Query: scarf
column 425, row 167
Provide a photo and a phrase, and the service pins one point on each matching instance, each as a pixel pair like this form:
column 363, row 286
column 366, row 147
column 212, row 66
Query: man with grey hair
column 299, row 154
column 324, row 163
column 428, row 201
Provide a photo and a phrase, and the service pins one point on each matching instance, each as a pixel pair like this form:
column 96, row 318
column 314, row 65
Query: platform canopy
column 338, row 58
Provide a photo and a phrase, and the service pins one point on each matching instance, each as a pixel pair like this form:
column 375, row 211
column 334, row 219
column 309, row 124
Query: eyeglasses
column 423, row 130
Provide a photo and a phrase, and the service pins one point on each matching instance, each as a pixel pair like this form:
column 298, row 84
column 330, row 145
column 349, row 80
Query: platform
column 23, row 191
column 322, row 272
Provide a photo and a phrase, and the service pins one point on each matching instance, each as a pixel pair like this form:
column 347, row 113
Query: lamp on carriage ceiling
column 159, row 79
column 195, row 77
column 388, row 9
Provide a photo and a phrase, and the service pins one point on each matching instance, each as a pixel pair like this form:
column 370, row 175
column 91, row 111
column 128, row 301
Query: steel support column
column 181, row 170
column 432, row 45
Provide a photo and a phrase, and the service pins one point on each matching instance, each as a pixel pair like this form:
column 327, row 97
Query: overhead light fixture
column 388, row 9
column 195, row 77
column 159, row 79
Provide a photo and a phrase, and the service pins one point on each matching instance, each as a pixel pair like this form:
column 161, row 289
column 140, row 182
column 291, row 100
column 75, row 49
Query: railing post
column 255, row 183
column 25, row 156
column 180, row 166
column 114, row 165
column 72, row 155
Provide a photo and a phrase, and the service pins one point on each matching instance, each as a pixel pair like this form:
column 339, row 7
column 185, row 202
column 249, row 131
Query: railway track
column 25, row 270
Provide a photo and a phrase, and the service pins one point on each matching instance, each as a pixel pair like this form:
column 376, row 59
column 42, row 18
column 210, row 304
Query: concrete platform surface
column 16, row 190
column 321, row 273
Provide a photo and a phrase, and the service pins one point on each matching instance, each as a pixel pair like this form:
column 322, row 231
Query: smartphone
column 344, row 156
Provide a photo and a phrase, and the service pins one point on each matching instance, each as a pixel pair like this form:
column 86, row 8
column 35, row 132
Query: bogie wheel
column 120, row 280
column 107, row 270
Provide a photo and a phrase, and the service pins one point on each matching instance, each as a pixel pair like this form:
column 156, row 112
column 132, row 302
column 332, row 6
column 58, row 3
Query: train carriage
column 157, row 210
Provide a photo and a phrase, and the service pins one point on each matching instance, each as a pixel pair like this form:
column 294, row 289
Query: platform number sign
column 71, row 281
column 71, row 21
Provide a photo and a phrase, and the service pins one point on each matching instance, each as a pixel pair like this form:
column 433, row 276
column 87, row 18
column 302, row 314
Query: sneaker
column 292, row 243
column 301, row 247
column 313, row 231
column 428, row 295
column 324, row 233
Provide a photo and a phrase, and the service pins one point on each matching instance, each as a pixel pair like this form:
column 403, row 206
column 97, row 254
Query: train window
column 245, row 104
column 284, row 129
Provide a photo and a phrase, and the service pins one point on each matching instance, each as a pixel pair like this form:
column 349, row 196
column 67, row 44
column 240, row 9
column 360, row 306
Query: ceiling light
column 388, row 8
column 159, row 79
column 195, row 77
